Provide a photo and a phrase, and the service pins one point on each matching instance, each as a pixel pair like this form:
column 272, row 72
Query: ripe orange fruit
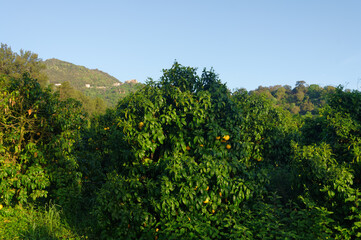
column 218, row 137
column 228, row 146
column 226, row 137
column 141, row 124
column 201, row 145
column 188, row 148
column 207, row 188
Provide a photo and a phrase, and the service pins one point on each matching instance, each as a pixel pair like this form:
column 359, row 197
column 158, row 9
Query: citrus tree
column 37, row 133
column 187, row 161
column 327, row 162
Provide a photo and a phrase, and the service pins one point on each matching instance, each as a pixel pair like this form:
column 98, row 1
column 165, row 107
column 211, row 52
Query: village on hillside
column 87, row 85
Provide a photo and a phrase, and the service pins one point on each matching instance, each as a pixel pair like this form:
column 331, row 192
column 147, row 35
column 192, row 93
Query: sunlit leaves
column 36, row 132
column 176, row 171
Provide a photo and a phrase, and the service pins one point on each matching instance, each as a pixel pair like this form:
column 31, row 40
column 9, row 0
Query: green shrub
column 189, row 156
column 37, row 136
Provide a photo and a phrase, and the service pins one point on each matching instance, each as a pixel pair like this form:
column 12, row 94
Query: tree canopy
column 185, row 158
column 15, row 65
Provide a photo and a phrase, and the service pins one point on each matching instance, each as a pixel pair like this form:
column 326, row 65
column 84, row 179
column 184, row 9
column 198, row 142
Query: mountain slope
column 92, row 82
column 61, row 71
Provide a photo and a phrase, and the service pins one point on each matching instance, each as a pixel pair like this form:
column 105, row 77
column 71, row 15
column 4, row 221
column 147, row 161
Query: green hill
column 91, row 82
column 61, row 71
column 302, row 99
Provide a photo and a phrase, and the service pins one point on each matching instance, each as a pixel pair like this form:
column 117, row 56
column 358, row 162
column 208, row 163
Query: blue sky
column 248, row 43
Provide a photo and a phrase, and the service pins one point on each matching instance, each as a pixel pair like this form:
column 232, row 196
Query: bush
column 37, row 133
column 189, row 156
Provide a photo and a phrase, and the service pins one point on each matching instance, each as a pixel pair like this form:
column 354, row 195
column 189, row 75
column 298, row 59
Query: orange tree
column 37, row 136
column 327, row 162
column 185, row 158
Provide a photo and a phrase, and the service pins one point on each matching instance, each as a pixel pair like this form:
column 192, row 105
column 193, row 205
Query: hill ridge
column 91, row 82
column 60, row 71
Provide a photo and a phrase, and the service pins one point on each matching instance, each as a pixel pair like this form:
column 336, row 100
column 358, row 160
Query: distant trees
column 299, row 100
column 100, row 85
column 91, row 105
column 280, row 93
column 15, row 65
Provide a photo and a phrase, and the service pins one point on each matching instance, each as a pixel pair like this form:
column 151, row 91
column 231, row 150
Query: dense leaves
column 185, row 158
column 302, row 99
column 37, row 132
column 15, row 65
column 190, row 159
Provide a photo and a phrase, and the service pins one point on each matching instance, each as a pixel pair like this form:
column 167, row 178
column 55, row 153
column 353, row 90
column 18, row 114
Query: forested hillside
column 181, row 158
column 61, row 71
column 301, row 99
column 90, row 82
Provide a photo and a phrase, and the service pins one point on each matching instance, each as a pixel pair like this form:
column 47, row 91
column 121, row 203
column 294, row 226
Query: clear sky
column 248, row 43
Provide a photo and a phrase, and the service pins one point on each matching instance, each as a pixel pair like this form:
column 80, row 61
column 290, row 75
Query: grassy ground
column 31, row 223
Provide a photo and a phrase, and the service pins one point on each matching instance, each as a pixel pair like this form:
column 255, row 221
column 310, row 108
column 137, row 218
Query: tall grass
column 30, row 223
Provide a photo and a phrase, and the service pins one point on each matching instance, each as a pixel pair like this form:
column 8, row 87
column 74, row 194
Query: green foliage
column 22, row 164
column 61, row 71
column 181, row 158
column 90, row 105
column 112, row 94
column 302, row 99
column 101, row 84
column 34, row 224
column 275, row 220
column 37, row 133
column 15, row 65
column 174, row 171
column 328, row 163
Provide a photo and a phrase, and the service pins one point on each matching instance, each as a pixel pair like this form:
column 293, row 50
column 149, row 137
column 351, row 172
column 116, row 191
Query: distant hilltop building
column 131, row 81
column 57, row 84
column 117, row 84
